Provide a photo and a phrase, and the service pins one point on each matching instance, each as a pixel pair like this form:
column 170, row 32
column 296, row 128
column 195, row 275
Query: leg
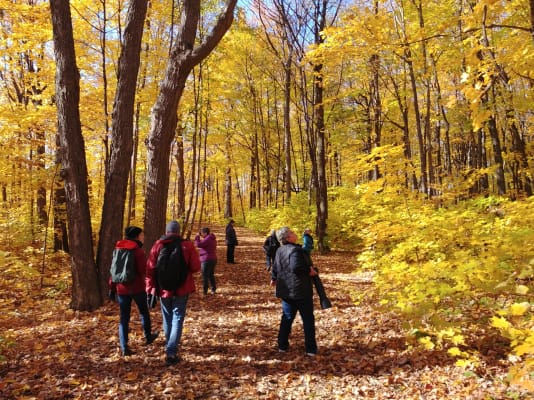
column 205, row 276
column 166, row 313
column 230, row 254
column 125, row 306
column 178, row 305
column 140, row 300
column 211, row 275
column 308, row 321
column 288, row 315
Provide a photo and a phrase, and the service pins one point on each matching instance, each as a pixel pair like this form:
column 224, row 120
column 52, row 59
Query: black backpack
column 171, row 268
column 123, row 266
column 270, row 246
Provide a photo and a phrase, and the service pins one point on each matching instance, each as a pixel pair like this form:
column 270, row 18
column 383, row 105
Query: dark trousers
column 208, row 275
column 230, row 253
column 289, row 311
column 125, row 306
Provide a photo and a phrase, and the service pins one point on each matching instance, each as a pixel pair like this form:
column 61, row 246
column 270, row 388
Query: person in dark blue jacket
column 292, row 274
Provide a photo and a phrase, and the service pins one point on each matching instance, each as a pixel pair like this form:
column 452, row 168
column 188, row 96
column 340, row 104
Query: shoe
column 127, row 352
column 172, row 360
column 282, row 350
column 311, row 354
column 152, row 337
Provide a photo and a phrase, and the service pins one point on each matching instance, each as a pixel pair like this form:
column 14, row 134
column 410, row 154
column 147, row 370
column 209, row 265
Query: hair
column 282, row 234
column 205, row 230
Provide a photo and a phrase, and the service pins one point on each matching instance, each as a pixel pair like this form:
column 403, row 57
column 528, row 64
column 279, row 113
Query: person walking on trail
column 173, row 301
column 206, row 243
column 127, row 292
column 231, row 242
column 292, row 274
column 307, row 240
column 270, row 246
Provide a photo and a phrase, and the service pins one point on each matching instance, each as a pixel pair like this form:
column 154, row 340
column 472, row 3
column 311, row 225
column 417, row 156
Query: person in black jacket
column 231, row 242
column 270, row 246
column 292, row 274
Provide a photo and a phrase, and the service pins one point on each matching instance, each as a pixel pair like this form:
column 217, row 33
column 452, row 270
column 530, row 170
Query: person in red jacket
column 135, row 290
column 173, row 302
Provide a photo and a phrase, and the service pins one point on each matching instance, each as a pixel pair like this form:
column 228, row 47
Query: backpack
column 270, row 246
column 123, row 266
column 171, row 268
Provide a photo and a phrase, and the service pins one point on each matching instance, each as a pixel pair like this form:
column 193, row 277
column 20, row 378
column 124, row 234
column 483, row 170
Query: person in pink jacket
column 124, row 293
column 206, row 243
column 173, row 302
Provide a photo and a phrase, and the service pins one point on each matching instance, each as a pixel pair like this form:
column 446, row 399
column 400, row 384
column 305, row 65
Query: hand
column 112, row 295
column 313, row 272
column 151, row 300
column 273, row 282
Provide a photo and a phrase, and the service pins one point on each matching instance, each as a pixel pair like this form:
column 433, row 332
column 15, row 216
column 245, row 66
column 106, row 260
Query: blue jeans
column 173, row 312
column 208, row 275
column 125, row 306
column 289, row 311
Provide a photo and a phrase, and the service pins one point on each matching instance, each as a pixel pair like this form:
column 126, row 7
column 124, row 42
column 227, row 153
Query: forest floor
column 229, row 347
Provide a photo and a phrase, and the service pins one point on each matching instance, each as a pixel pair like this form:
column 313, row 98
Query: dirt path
column 229, row 347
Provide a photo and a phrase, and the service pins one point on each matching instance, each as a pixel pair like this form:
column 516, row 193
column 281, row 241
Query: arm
column 150, row 277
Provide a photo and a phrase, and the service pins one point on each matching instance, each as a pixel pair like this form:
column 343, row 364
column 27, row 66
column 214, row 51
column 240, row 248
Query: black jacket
column 291, row 271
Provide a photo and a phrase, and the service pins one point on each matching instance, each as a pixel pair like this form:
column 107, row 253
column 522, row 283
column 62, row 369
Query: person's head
column 307, row 230
column 172, row 227
column 231, row 222
column 133, row 232
column 204, row 231
column 286, row 235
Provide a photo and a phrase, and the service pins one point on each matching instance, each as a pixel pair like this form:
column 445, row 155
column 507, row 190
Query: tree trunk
column 322, row 189
column 122, row 140
column 85, row 288
column 184, row 56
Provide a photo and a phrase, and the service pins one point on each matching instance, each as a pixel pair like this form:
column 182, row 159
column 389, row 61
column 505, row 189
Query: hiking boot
column 172, row 360
column 152, row 337
column 127, row 352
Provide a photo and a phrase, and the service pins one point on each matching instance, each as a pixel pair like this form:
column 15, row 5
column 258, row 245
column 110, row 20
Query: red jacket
column 191, row 258
column 138, row 284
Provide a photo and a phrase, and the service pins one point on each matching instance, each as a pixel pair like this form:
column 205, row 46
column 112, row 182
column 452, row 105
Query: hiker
column 206, row 243
column 292, row 274
column 307, row 240
column 124, row 293
column 270, row 246
column 173, row 301
column 231, row 242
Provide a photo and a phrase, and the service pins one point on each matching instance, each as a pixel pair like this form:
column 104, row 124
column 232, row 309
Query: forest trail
column 229, row 347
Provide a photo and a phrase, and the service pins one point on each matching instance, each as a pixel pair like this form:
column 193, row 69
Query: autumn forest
column 400, row 131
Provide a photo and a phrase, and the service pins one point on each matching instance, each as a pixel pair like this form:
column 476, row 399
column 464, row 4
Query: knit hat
column 172, row 227
column 132, row 232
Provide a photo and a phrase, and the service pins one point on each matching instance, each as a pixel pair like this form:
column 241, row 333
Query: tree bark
column 184, row 56
column 85, row 289
column 122, row 140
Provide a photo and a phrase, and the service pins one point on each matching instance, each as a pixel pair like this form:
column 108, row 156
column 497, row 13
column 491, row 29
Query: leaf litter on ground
column 229, row 347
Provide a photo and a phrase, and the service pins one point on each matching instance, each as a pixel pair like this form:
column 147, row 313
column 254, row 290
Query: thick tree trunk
column 122, row 140
column 322, row 188
column 85, row 288
column 184, row 56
